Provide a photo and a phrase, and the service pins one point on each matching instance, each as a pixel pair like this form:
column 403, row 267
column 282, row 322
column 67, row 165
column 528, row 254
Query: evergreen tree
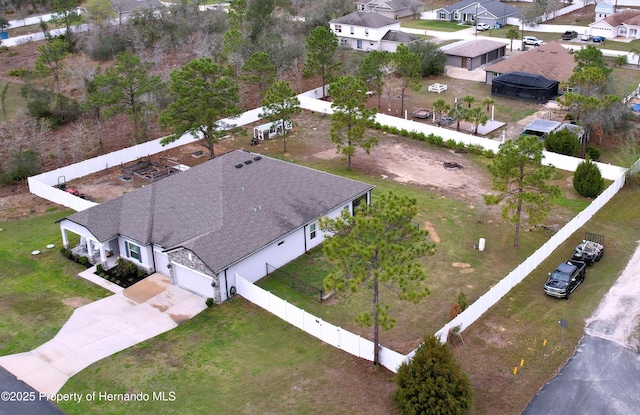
column 587, row 180
column 432, row 382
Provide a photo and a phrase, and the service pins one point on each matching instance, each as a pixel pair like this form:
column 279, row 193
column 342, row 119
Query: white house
column 625, row 24
column 603, row 10
column 234, row 214
column 393, row 9
column 369, row 31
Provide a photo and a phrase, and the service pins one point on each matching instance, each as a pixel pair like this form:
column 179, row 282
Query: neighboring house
column 625, row 24
column 473, row 54
column 369, row 31
column 393, row 9
column 125, row 7
column 233, row 214
column 487, row 11
column 604, row 10
column 550, row 60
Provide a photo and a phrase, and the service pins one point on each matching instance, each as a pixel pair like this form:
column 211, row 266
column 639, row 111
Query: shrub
column 209, row 302
column 594, row 153
column 99, row 269
column 569, row 116
column 22, row 165
column 432, row 382
column 57, row 108
column 436, row 140
column 404, row 133
column 450, row 143
column 475, row 149
column 455, row 310
column 462, row 300
column 620, row 60
column 19, row 73
column 84, row 261
column 488, row 153
column 108, row 46
column 563, row 142
column 588, row 180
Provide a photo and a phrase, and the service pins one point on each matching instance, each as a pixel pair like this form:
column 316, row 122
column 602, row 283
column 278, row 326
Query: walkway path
column 102, row 328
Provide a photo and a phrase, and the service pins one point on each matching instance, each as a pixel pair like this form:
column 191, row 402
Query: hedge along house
column 233, row 214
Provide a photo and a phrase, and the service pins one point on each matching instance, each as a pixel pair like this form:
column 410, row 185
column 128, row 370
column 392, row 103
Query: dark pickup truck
column 565, row 279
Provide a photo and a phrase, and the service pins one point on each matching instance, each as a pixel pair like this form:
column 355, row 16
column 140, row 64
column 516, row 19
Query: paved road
column 601, row 378
column 9, row 383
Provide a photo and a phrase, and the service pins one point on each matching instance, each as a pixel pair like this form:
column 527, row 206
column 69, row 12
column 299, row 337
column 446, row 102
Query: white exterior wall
column 365, row 34
column 146, row 255
column 161, row 261
column 255, row 267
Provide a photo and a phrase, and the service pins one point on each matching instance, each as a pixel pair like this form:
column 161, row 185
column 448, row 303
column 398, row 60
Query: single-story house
column 472, row 54
column 233, row 214
column 369, row 31
column 393, row 9
column 487, row 11
column 550, row 60
column 625, row 24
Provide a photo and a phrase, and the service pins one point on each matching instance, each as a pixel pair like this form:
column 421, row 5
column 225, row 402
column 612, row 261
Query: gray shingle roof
column 550, row 60
column 220, row 212
column 495, row 7
column 399, row 37
column 474, row 48
column 372, row 20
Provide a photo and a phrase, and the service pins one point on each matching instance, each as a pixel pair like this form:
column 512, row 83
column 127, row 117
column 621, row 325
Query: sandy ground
column 407, row 164
column 617, row 318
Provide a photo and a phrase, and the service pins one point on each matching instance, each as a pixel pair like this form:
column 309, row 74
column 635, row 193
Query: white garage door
column 192, row 280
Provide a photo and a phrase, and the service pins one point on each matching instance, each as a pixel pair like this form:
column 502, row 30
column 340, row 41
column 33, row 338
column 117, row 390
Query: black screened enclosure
column 525, row 86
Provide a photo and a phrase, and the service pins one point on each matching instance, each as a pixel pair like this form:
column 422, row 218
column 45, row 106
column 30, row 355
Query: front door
column 359, row 44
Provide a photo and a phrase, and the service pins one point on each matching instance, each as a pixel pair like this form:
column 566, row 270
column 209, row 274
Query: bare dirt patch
column 75, row 302
column 432, row 232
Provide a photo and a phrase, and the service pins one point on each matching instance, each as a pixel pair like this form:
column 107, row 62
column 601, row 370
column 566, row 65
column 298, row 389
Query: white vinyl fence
column 315, row 326
column 43, row 186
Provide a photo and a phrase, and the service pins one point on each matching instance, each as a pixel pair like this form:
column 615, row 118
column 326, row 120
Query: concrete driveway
column 102, row 328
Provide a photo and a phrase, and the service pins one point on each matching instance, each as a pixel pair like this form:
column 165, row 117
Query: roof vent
column 248, row 162
column 256, row 158
column 238, row 166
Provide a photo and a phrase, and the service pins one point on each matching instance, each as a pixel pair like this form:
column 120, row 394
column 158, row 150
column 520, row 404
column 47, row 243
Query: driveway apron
column 102, row 328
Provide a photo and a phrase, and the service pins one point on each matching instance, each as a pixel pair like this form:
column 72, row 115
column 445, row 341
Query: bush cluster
column 80, row 259
column 435, row 140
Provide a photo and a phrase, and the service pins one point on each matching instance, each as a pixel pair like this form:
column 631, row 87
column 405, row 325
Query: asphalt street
column 601, row 378
column 18, row 398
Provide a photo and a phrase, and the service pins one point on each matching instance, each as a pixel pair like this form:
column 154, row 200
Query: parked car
column 446, row 120
column 483, row 26
column 569, row 34
column 598, row 39
column 585, row 36
column 532, row 40
column 565, row 279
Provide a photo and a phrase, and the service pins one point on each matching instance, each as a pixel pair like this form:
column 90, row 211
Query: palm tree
column 488, row 102
column 512, row 33
column 439, row 106
column 636, row 51
column 457, row 113
column 477, row 116
column 469, row 100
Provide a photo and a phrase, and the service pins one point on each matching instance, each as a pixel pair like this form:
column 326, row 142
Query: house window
column 280, row 243
column 456, row 16
column 362, row 7
column 567, row 89
column 357, row 202
column 353, row 30
column 133, row 251
column 312, row 231
column 343, row 42
column 338, row 28
column 366, row 31
column 442, row 16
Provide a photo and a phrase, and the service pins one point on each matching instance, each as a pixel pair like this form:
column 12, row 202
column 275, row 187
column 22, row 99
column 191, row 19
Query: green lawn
column 433, row 25
column 36, row 289
column 518, row 325
column 13, row 100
